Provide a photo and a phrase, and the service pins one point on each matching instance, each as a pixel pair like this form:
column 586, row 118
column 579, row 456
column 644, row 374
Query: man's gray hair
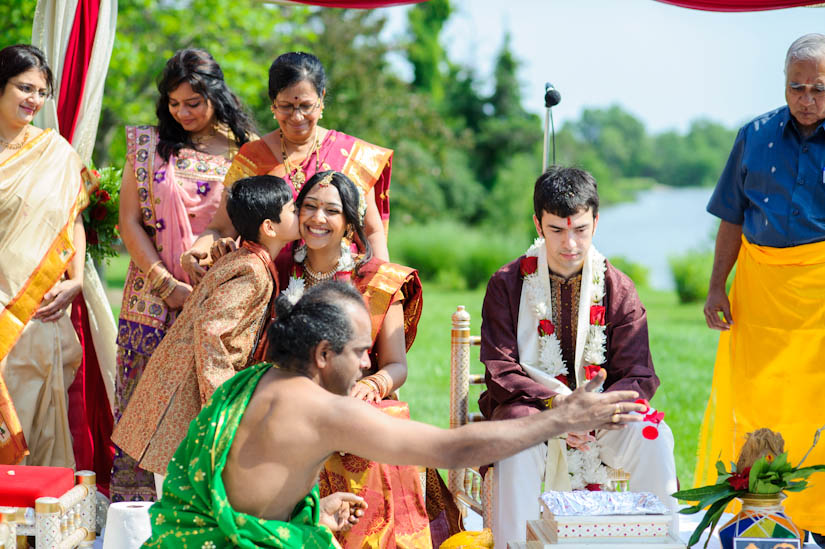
column 810, row 47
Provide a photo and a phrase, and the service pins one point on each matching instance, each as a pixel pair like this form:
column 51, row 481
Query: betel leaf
column 697, row 494
column 805, row 472
column 796, row 486
column 712, row 515
column 709, row 500
column 780, row 463
column 757, row 470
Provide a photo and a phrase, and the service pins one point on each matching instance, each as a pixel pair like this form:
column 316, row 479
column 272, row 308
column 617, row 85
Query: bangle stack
column 380, row 382
column 162, row 282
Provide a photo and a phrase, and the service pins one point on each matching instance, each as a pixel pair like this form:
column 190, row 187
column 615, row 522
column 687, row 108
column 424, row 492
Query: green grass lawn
column 683, row 351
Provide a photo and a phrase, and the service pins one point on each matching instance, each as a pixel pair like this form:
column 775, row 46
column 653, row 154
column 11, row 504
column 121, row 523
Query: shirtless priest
column 550, row 320
column 246, row 473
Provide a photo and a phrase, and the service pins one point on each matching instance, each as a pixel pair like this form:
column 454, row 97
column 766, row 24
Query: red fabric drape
column 360, row 4
column 75, row 65
column 90, row 416
column 740, row 5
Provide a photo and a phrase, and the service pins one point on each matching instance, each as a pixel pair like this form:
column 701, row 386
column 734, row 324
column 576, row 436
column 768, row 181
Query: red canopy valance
column 740, row 5
column 361, row 4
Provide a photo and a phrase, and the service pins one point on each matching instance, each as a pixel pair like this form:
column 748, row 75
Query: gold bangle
column 152, row 267
column 371, row 384
column 171, row 284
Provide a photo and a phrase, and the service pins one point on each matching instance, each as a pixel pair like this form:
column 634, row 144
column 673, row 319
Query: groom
column 550, row 320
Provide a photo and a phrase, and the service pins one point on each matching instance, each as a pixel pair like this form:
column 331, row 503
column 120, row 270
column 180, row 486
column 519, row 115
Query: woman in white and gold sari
column 42, row 253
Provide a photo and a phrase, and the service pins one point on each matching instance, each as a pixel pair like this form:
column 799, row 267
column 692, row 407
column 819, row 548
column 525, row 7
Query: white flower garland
column 295, row 289
column 550, row 357
column 586, row 467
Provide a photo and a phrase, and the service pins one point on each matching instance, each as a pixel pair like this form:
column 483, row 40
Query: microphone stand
column 551, row 99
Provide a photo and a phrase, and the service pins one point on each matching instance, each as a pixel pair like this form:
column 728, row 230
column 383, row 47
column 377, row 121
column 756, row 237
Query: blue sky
column 666, row 65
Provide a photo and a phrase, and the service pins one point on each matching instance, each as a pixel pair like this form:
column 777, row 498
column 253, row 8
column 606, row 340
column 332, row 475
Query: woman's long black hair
column 202, row 72
column 350, row 200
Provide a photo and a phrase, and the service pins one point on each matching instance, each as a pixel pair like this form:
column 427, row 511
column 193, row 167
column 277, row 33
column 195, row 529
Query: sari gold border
column 387, row 281
column 365, row 163
column 17, row 313
column 27, row 146
column 240, row 168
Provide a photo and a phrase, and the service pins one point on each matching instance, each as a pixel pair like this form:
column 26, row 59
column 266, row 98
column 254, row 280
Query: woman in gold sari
column 331, row 213
column 42, row 246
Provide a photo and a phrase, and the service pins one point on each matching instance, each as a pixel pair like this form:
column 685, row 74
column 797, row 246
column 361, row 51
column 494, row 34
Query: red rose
column 591, row 371
column 597, row 315
column 650, row 432
column 740, row 481
column 546, row 327
column 655, row 417
column 91, row 236
column 593, row 487
column 529, row 265
column 645, row 402
column 99, row 212
column 103, row 196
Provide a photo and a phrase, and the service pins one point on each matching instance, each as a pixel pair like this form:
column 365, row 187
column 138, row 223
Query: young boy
column 218, row 328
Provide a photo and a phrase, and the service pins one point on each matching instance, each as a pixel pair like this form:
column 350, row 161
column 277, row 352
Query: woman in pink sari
column 300, row 148
column 171, row 190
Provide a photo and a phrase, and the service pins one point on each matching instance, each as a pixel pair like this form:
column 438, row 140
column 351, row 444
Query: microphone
column 552, row 97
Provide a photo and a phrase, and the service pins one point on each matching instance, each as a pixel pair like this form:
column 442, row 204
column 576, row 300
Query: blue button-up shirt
column 774, row 182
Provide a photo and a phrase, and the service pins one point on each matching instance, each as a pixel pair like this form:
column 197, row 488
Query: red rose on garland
column 99, row 212
column 103, row 196
column 91, row 236
column 597, row 315
column 591, row 371
column 529, row 265
column 546, row 327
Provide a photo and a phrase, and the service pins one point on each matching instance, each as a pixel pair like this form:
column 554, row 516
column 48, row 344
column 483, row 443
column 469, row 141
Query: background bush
column 454, row 255
column 691, row 273
column 638, row 273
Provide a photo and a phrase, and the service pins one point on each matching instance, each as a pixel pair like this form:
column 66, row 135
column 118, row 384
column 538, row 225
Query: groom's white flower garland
column 550, row 357
column 584, row 466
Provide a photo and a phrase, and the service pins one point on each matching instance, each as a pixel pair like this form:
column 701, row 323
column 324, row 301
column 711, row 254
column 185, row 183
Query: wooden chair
column 468, row 487
column 61, row 522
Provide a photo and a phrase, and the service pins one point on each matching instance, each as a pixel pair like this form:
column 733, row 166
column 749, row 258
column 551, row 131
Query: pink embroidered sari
column 177, row 199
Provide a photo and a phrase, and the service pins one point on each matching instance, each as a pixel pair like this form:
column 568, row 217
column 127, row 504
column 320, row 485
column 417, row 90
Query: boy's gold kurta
column 212, row 338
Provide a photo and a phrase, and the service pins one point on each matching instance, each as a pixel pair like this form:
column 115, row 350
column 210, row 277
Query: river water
column 661, row 222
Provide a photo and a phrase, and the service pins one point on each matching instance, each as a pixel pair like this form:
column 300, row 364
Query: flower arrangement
column 762, row 468
column 100, row 217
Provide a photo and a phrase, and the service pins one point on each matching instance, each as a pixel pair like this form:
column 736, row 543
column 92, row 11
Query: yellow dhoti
column 770, row 367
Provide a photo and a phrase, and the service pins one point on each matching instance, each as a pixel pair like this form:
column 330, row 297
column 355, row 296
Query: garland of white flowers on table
column 584, row 466
column 295, row 288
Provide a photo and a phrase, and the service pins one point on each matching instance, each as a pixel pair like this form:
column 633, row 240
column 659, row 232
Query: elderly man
column 246, row 473
column 771, row 202
column 550, row 319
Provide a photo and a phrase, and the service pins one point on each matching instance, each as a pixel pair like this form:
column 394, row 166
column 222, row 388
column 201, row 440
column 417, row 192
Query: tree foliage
column 17, row 22
column 460, row 154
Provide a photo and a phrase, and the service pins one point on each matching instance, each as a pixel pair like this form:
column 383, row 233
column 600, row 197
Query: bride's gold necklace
column 11, row 145
column 296, row 174
column 314, row 277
